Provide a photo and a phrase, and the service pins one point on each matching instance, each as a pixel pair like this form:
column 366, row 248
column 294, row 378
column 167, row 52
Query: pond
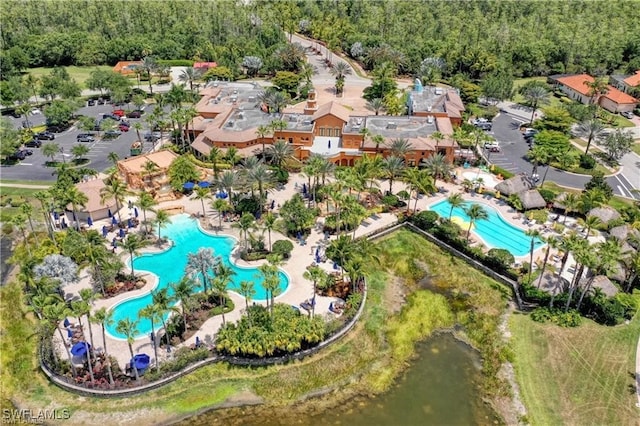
column 439, row 388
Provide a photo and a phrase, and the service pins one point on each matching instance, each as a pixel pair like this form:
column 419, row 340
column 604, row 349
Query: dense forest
column 474, row 38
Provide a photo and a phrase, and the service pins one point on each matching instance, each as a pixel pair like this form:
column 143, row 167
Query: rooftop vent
column 306, row 122
column 430, row 119
column 239, row 116
column 230, row 123
column 429, row 108
column 391, row 125
column 234, row 99
column 359, row 121
column 438, row 91
column 292, row 118
column 251, row 99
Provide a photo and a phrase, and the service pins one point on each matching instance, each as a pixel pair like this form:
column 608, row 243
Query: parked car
column 118, row 112
column 485, row 125
column 18, row 156
column 45, row 135
column 112, row 134
column 91, row 102
column 151, row 137
column 492, row 146
column 85, row 137
column 33, row 143
column 528, row 132
column 111, row 116
column 35, row 111
column 134, row 114
column 627, row 114
column 101, row 101
column 27, row 151
column 123, row 127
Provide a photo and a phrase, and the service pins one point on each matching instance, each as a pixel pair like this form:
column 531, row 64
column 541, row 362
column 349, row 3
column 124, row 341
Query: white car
column 627, row 114
column 35, row 111
column 492, row 146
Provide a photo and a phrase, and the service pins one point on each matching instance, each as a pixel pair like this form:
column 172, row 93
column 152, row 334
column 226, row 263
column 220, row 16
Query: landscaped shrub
column 539, row 215
column 571, row 318
column 500, row 171
column 547, row 194
column 426, row 220
column 587, row 161
column 280, row 175
column 609, row 310
column 500, row 259
column 283, row 248
column 391, row 200
column 247, row 205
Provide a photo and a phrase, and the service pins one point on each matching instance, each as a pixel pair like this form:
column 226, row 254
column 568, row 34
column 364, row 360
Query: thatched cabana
column 558, row 202
column 552, row 283
column 605, row 214
column 622, row 232
column 601, row 282
column 514, row 185
column 532, row 199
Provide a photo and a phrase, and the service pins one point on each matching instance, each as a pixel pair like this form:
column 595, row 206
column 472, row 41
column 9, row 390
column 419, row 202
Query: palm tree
column 132, row 244
column 592, row 130
column 104, row 318
column 221, row 282
column 535, row 96
column 79, row 151
column 247, row 290
column 597, row 88
column 203, row 261
column 279, row 152
column 27, row 210
column 162, row 219
column 113, row 157
column 340, row 249
column 149, row 66
column 148, row 169
column 269, row 223
column 261, row 176
column 534, row 234
column 552, row 243
column 376, row 105
column 50, row 150
column 437, row 166
column 261, row 132
column 80, row 308
column 116, row 189
column 231, row 156
column 189, row 75
column 182, row 291
column 475, row 212
column 53, row 314
column 76, row 198
column 340, row 70
column 215, row 155
column 129, row 329
column 438, row 137
column 202, row 194
column 314, row 274
column 607, row 259
column 400, row 147
column 245, row 223
column 455, row 200
column 227, row 181
column 161, row 301
column 588, row 223
column 152, row 313
column 571, row 202
column 220, row 206
column 146, row 203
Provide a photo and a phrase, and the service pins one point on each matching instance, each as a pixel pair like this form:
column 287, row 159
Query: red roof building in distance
column 126, row 67
column 577, row 82
column 204, row 65
column 633, row 80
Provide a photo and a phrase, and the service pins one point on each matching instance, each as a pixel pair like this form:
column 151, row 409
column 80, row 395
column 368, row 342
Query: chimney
column 312, row 105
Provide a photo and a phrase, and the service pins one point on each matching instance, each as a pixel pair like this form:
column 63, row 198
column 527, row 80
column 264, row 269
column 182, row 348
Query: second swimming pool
column 494, row 231
column 170, row 265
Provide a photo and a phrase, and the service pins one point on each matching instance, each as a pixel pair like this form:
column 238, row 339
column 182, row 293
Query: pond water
column 439, row 388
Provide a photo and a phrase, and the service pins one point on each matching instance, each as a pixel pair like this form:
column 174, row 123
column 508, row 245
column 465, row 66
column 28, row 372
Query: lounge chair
column 308, row 304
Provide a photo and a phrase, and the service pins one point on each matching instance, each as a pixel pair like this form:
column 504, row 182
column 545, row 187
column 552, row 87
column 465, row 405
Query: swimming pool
column 495, row 231
column 169, row 266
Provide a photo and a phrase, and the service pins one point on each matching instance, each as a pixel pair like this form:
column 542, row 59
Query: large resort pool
column 169, row 266
column 494, row 231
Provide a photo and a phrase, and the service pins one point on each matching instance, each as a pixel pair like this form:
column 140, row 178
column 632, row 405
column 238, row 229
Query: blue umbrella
column 80, row 348
column 114, row 243
column 188, row 185
column 89, row 221
column 204, row 184
column 129, row 223
column 335, row 265
column 56, row 216
column 135, row 211
column 141, row 361
column 318, row 260
column 109, row 213
column 121, row 233
column 224, row 195
column 104, row 231
column 198, row 343
column 66, row 322
column 69, row 333
column 114, row 221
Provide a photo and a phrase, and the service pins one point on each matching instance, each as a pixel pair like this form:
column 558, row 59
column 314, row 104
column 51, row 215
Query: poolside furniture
column 308, row 304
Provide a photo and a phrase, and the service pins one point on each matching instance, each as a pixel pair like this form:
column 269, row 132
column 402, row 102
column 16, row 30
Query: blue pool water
column 494, row 231
column 169, row 266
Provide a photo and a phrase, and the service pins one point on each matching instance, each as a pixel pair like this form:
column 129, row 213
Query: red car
column 123, row 127
column 118, row 112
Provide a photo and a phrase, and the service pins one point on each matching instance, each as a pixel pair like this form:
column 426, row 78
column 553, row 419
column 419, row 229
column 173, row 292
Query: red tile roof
column 204, row 65
column 619, row 97
column 633, row 80
column 577, row 82
column 332, row 108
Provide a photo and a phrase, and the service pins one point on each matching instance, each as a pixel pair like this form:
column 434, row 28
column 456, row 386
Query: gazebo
column 532, row 199
column 622, row 232
column 514, row 185
column 605, row 214
column 601, row 282
column 552, row 283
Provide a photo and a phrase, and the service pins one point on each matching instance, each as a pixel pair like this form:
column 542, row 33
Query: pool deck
column 299, row 288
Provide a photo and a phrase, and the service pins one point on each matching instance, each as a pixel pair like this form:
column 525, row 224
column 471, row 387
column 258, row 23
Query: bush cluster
column 570, row 318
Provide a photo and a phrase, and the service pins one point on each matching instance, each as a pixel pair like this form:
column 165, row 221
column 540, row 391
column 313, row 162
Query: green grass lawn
column 519, row 99
column 79, row 74
column 576, row 376
column 636, row 148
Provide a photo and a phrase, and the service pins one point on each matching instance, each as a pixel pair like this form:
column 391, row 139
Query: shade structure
column 80, row 348
column 105, row 231
column 129, row 223
column 204, row 184
column 188, row 185
column 69, row 333
column 109, row 213
column 66, row 322
column 140, row 362
column 222, row 195
column 121, row 233
column 114, row 221
column 89, row 221
column 135, row 211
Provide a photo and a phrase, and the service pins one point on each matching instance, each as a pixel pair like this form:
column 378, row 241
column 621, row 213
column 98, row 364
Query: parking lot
column 34, row 168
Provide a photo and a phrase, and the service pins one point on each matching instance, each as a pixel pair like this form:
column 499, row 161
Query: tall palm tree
column 245, row 223
column 261, row 176
column 366, row 133
column 153, row 314
column 149, row 66
column 279, row 152
column 220, row 206
column 597, row 88
column 591, row 129
column 475, row 212
column 261, row 132
column 54, row 313
column 202, row 194
column 182, row 291
column 148, row 169
column 535, row 96
column 340, row 70
column 189, row 75
column 588, row 223
column 376, row 105
column 607, row 259
column 455, row 200
column 113, row 157
column 215, row 156
column 438, row 137
column 80, row 308
column 231, row 156
column 27, row 210
column 132, row 244
column 314, row 274
column 129, row 329
column 104, row 318
column 247, row 290
column 227, row 181
column 571, row 203
column 400, row 147
column 340, row 250
column 76, row 198
column 161, row 301
column 552, row 243
column 162, row 219
column 45, row 201
column 146, row 203
column 269, row 223
column 203, row 261
column 221, row 282
column 533, row 234
column 116, row 189
column 437, row 166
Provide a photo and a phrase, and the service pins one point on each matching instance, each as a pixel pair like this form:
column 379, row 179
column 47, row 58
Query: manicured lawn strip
column 519, row 99
column 636, row 148
column 580, row 375
column 79, row 74
column 22, row 182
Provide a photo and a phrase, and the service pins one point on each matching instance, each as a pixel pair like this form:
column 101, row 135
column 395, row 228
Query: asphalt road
column 33, row 167
column 513, row 157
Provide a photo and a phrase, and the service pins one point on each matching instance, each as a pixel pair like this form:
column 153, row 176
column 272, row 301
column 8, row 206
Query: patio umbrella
column 109, row 213
column 104, row 230
column 80, row 348
column 63, row 223
column 273, row 204
column 66, row 322
column 204, row 184
column 304, row 188
column 135, row 211
column 69, row 333
column 114, row 242
column 129, row 223
column 114, row 221
column 89, row 221
column 121, row 233
column 197, row 342
column 130, row 204
column 335, row 265
column 141, row 361
column 188, row 185
column 56, row 216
